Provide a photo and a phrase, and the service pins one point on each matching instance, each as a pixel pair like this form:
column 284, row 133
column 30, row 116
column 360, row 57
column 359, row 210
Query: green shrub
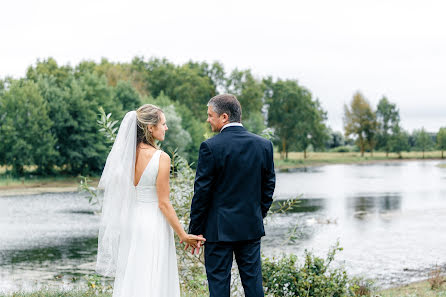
column 360, row 287
column 341, row 149
column 284, row 277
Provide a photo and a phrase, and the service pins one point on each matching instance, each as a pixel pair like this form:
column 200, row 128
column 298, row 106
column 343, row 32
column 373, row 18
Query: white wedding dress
column 151, row 266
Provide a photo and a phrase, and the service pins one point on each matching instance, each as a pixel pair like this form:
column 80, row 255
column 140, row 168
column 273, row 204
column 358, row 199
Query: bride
column 136, row 243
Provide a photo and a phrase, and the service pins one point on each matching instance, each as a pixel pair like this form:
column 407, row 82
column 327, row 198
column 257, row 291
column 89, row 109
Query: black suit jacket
column 234, row 186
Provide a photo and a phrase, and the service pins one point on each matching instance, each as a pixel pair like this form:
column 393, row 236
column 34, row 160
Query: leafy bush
column 284, row 277
column 342, row 149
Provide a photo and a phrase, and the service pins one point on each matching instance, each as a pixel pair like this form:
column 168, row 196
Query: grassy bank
column 297, row 160
column 418, row 289
column 79, row 293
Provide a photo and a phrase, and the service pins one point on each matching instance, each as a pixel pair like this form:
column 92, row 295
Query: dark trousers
column 218, row 262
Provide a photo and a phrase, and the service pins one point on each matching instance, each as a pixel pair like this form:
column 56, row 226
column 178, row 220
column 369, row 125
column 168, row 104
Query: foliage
column 297, row 119
column 398, row 141
column 107, row 126
column 127, row 95
column 441, row 140
column 360, row 121
column 284, row 277
column 388, row 118
column 342, row 149
column 436, row 279
column 334, row 139
column 97, row 285
column 54, row 293
column 360, row 287
column 423, row 141
column 25, row 129
column 249, row 91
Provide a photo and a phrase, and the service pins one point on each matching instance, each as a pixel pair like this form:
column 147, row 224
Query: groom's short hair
column 227, row 103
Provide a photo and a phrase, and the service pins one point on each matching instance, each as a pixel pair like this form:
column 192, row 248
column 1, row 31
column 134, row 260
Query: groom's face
column 216, row 121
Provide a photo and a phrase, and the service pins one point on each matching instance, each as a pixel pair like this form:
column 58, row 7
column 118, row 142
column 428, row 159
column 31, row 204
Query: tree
column 360, row 121
column 295, row 117
column 177, row 138
column 127, row 95
column 335, row 139
column 441, row 140
column 388, row 118
column 185, row 84
column 25, row 129
column 49, row 68
column 311, row 129
column 249, row 92
column 399, row 141
column 423, row 141
column 215, row 72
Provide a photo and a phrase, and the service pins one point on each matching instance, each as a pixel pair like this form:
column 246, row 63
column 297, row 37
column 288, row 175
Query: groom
column 233, row 191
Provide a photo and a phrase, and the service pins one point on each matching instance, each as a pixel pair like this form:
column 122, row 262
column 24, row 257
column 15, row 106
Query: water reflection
column 302, row 205
column 77, row 249
column 363, row 205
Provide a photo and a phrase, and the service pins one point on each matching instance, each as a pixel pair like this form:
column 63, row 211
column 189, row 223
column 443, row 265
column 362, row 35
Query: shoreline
column 314, row 163
column 71, row 184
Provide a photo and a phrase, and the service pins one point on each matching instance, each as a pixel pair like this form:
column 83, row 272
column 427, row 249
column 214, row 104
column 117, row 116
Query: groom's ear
column 224, row 117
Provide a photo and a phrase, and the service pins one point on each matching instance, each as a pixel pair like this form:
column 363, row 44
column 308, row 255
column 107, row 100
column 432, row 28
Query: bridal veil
column 118, row 196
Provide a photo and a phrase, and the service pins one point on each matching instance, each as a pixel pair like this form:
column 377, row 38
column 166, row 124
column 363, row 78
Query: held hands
column 194, row 242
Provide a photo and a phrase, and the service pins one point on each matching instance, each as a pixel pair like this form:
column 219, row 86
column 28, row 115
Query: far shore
column 297, row 159
column 39, row 185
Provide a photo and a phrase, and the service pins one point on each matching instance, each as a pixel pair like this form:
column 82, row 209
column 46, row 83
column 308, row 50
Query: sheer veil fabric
column 118, row 196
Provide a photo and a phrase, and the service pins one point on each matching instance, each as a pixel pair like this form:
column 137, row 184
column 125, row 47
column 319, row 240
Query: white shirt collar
column 231, row 124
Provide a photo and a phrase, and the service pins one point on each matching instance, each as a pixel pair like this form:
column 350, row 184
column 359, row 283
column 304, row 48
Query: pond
column 388, row 217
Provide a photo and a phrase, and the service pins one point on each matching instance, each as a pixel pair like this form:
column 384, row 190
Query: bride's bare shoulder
column 164, row 157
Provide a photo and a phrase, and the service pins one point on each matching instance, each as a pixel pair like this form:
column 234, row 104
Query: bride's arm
column 163, row 191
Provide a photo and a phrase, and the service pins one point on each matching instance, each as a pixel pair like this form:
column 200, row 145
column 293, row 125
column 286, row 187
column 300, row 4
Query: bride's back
column 146, row 167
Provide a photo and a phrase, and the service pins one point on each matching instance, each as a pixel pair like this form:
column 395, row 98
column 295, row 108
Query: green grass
column 55, row 293
column 33, row 181
column 81, row 293
column 418, row 289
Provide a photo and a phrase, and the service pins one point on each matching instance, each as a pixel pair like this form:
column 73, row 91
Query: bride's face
column 159, row 131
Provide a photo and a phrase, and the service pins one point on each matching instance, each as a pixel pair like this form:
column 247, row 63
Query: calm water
column 390, row 218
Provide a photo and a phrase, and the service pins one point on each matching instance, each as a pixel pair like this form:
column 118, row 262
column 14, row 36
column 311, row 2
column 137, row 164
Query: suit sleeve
column 202, row 190
column 268, row 181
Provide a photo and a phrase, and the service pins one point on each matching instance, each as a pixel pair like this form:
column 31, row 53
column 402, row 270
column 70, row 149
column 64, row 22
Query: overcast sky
column 334, row 48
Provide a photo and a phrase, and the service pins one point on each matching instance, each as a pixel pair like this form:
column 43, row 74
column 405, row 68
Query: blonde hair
column 147, row 114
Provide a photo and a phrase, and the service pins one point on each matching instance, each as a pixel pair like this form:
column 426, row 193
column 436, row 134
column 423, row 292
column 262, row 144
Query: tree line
column 48, row 118
column 380, row 129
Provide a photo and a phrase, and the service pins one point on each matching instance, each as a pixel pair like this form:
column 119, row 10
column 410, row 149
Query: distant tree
column 311, row 129
column 335, row 139
column 298, row 120
column 441, row 140
column 388, row 119
column 25, row 129
column 248, row 91
column 49, row 68
column 127, row 95
column 399, row 141
column 184, row 84
column 215, row 72
column 423, row 140
column 360, row 121
column 177, row 138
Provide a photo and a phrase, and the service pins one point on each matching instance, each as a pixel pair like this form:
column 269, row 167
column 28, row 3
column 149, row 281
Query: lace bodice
column 146, row 187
